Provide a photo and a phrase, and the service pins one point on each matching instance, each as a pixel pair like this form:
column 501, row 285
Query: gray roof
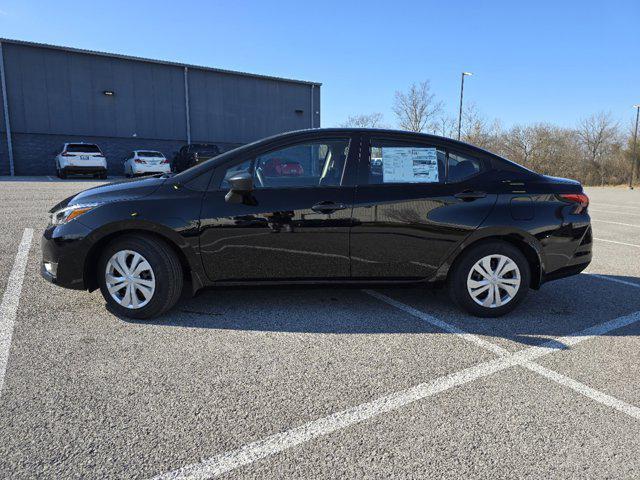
column 149, row 60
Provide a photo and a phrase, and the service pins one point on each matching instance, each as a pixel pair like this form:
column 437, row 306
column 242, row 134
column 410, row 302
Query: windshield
column 150, row 154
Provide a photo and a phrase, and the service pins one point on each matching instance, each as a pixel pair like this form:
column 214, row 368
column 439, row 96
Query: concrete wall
column 56, row 95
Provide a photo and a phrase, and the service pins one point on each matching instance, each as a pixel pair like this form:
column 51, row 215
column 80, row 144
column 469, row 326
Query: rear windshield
column 204, row 149
column 82, row 148
column 150, row 154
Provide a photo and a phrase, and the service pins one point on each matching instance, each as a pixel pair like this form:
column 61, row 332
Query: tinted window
column 204, row 149
column 405, row 162
column 82, row 148
column 304, row 165
column 150, row 154
column 462, row 167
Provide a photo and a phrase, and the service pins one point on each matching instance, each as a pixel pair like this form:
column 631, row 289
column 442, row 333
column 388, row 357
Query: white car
column 145, row 162
column 82, row 158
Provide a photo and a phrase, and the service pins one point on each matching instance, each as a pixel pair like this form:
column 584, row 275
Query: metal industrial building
column 52, row 95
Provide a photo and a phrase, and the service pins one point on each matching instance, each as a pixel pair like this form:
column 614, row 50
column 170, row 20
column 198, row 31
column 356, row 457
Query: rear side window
column 82, row 148
column 392, row 161
column 462, row 167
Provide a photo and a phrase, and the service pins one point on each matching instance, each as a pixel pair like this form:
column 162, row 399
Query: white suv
column 145, row 162
column 83, row 158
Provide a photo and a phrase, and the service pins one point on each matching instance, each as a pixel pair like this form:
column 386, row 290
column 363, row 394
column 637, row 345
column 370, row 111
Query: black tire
column 62, row 174
column 166, row 269
column 103, row 176
column 457, row 281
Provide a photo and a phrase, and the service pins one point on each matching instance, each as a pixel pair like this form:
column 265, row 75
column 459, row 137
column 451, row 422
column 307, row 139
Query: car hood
column 113, row 192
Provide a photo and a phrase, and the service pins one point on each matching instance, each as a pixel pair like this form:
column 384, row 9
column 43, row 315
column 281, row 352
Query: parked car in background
column 145, row 162
column 193, row 154
column 81, row 158
column 440, row 212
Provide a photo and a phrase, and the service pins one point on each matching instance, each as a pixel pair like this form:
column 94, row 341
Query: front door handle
column 328, row 207
column 469, row 195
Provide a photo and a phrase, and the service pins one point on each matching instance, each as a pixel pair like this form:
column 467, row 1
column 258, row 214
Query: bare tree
column 520, row 143
column 476, row 129
column 417, row 108
column 598, row 135
column 445, row 125
column 371, row 120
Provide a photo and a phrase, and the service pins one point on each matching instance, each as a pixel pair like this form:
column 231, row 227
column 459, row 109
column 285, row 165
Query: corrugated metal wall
column 60, row 92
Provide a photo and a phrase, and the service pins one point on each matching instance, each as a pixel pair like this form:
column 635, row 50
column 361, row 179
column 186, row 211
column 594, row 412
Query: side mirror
column 241, row 186
column 241, row 182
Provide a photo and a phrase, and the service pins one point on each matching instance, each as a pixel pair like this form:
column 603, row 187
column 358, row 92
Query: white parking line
column 279, row 442
column 617, row 280
column 447, row 327
column 614, row 205
column 11, row 299
column 615, row 223
column 619, row 243
column 586, row 390
column 614, row 211
column 550, row 374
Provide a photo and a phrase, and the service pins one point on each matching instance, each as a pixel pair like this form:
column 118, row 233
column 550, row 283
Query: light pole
column 464, row 74
column 633, row 155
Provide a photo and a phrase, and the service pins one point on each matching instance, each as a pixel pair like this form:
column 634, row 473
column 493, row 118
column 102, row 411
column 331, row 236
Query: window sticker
column 409, row 165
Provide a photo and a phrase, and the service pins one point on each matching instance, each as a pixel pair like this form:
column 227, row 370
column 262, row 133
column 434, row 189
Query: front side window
column 310, row 164
column 462, row 167
column 405, row 162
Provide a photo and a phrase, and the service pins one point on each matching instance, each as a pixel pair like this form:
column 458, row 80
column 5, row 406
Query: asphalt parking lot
column 320, row 382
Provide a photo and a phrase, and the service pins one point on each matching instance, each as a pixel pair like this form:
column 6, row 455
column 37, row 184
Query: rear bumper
column 84, row 170
column 578, row 261
column 64, row 250
column 151, row 169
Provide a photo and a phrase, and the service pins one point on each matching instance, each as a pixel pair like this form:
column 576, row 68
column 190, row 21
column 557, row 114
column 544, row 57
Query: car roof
column 375, row 131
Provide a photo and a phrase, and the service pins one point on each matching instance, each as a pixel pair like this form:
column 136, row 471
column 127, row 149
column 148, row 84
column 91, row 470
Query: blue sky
column 552, row 61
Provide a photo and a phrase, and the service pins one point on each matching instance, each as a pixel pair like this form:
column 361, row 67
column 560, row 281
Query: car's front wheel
column 140, row 276
column 490, row 279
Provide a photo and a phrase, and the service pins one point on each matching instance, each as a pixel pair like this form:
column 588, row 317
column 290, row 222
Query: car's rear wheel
column 140, row 276
column 490, row 279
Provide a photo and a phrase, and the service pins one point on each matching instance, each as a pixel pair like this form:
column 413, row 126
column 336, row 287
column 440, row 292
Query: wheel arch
column 190, row 267
column 523, row 241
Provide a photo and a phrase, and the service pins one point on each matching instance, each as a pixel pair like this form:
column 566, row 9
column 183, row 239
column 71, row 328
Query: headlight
column 67, row 214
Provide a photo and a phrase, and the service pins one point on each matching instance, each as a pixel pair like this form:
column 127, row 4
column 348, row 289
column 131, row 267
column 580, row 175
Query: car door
column 294, row 225
column 416, row 200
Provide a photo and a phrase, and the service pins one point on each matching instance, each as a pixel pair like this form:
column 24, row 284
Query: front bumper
column 64, row 250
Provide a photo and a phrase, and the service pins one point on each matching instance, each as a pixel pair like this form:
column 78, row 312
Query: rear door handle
column 469, row 195
column 328, row 207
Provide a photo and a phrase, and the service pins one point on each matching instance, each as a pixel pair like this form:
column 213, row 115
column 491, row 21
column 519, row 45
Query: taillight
column 65, row 154
column 137, row 160
column 165, row 161
column 579, row 199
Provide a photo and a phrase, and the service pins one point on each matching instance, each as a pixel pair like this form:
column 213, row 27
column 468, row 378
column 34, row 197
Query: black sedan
column 369, row 206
